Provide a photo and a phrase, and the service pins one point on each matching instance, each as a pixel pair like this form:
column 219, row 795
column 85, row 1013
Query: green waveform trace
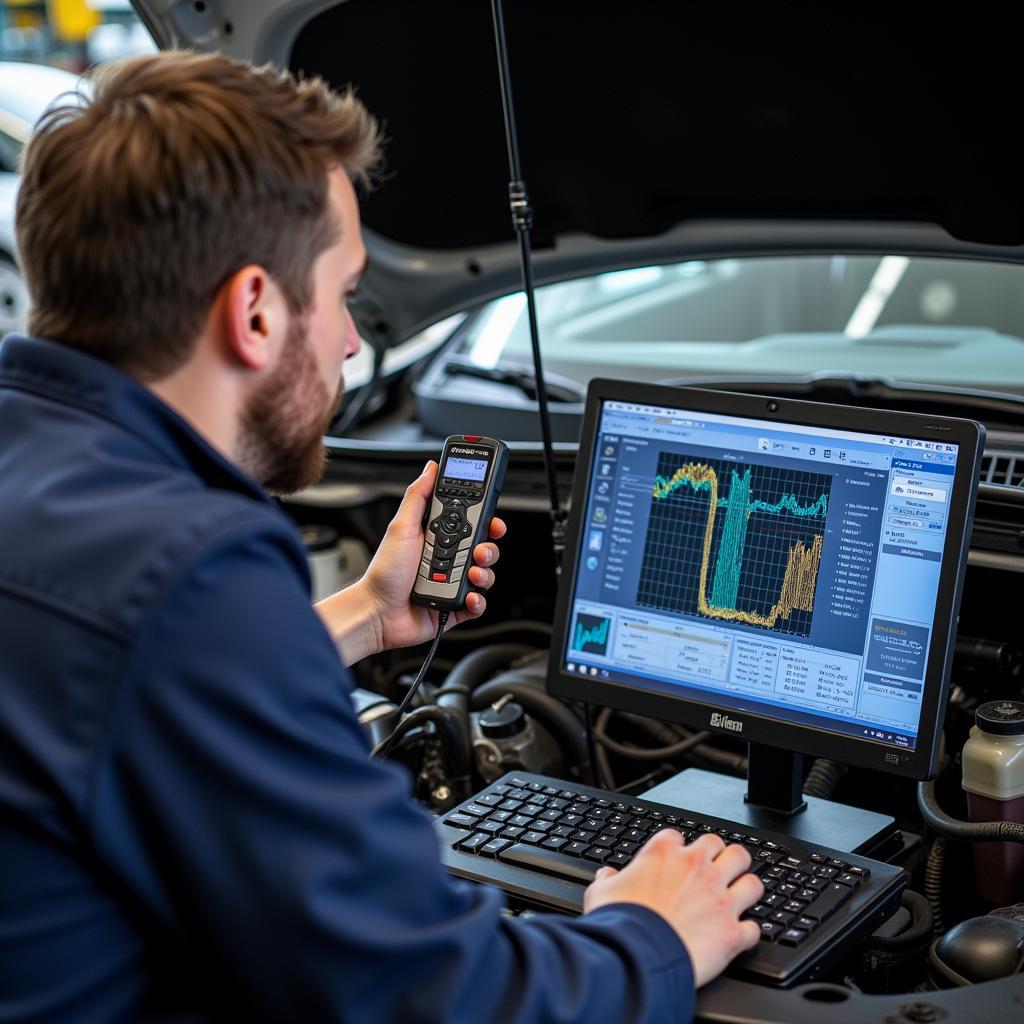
column 802, row 566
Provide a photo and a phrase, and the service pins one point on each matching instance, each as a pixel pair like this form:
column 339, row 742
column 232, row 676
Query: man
column 191, row 827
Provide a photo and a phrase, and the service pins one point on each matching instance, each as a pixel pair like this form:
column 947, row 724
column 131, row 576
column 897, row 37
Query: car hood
column 649, row 132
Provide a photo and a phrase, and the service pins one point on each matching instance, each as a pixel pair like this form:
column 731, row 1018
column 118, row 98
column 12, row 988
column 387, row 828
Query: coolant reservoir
column 993, row 778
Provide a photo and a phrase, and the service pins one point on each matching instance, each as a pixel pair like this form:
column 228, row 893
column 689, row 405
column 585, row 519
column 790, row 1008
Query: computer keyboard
column 542, row 840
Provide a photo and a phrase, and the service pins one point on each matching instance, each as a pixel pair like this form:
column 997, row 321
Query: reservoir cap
column 1001, row 717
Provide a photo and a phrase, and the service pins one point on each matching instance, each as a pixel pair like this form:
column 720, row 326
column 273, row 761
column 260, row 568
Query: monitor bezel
column 920, row 763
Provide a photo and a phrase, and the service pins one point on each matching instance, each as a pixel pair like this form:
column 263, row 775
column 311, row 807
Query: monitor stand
column 771, row 797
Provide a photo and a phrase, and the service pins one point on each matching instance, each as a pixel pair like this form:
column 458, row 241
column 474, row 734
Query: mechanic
column 191, row 826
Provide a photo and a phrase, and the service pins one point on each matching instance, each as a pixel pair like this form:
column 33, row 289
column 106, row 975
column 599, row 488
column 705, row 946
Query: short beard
column 284, row 421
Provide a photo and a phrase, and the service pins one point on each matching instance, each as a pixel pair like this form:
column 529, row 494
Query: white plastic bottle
column 993, row 778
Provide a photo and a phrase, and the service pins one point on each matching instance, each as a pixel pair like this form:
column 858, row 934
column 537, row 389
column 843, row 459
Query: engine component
column 505, row 739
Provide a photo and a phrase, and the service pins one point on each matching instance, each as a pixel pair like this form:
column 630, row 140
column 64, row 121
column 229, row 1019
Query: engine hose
column 933, row 884
column 824, row 777
column 964, row 831
column 448, row 728
column 922, row 924
column 467, row 673
column 721, row 758
column 551, row 712
column 652, row 753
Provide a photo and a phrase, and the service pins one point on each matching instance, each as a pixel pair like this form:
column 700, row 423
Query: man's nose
column 352, row 340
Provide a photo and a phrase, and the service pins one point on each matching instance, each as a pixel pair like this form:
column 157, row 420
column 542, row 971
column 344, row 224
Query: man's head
column 194, row 189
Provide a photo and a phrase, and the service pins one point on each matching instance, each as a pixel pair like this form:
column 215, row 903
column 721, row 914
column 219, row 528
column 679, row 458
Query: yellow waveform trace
column 798, row 582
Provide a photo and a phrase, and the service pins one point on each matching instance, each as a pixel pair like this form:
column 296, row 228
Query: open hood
column 650, row 131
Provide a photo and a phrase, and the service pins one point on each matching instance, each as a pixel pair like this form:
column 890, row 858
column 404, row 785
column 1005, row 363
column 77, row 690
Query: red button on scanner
column 471, row 437
column 439, row 577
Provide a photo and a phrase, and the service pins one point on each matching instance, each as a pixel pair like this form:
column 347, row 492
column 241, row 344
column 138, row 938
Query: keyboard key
column 599, row 815
column 501, row 790
column 489, row 799
column 793, row 936
column 543, row 826
column 807, row 895
column 625, row 846
column 518, row 782
column 773, row 900
column 565, row 831
column 837, row 864
column 859, row 872
column 511, row 832
column 771, row 931
column 471, row 844
column 634, row 835
column 592, row 824
column 549, row 862
column 535, row 786
column 500, row 815
column 550, row 791
column 571, row 819
column 492, row 827
column 808, row 924
column 758, row 912
column 576, row 848
column 554, row 842
column 533, row 837
column 826, row 872
column 558, row 804
column 494, row 847
column 605, row 840
column 828, row 902
column 780, row 917
column 787, row 889
column 794, row 906
column 520, row 819
column 476, row 810
column 551, row 815
column 619, row 859
column 598, row 853
column 510, row 805
column 461, row 820
column 846, row 878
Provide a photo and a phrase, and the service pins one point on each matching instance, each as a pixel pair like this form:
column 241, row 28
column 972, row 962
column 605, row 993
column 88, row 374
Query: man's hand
column 700, row 889
column 376, row 614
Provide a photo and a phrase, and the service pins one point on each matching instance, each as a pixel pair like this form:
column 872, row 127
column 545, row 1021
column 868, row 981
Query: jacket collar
column 66, row 375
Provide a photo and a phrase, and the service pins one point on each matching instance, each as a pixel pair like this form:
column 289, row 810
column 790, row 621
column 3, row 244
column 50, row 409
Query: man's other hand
column 392, row 573
column 700, row 889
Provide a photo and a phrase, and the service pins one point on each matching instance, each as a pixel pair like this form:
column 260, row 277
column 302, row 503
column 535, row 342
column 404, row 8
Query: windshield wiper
column 522, row 380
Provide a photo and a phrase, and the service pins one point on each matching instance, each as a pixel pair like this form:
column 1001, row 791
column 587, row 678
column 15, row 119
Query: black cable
column 933, row 884
column 824, row 777
column 382, row 748
column 965, row 831
column 348, row 415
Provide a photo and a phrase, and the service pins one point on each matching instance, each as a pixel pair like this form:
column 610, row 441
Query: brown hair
column 138, row 203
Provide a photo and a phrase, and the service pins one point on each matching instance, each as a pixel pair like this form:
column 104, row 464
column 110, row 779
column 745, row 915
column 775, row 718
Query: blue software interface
column 782, row 569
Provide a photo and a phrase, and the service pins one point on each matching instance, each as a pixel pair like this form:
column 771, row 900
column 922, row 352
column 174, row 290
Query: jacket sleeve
column 235, row 799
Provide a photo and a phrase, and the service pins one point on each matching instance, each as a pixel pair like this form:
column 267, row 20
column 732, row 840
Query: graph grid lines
column 734, row 542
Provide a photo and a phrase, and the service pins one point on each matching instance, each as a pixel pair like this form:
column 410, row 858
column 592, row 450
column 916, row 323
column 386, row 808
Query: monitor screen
column 762, row 566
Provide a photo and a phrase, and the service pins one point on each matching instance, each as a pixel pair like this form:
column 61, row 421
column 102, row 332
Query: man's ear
column 255, row 316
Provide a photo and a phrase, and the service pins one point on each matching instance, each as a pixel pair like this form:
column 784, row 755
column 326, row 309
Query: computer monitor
column 778, row 571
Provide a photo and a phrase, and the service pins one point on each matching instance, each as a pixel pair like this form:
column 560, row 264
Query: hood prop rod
column 522, row 221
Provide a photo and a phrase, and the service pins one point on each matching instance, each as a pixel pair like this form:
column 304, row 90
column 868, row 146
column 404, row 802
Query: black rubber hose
column 551, row 712
column 652, row 753
column 933, row 884
column 824, row 777
column 448, row 728
column 922, row 925
column 468, row 673
column 479, row 665
column 964, row 831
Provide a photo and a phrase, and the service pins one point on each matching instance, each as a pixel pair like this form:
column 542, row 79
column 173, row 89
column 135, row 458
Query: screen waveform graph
column 590, row 633
column 735, row 542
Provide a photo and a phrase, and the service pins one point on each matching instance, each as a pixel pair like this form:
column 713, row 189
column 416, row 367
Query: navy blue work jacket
column 190, row 827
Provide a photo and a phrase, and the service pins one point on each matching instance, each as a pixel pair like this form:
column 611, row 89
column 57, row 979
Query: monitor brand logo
column 725, row 722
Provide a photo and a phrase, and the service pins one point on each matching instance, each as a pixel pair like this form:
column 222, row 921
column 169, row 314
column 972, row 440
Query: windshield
column 956, row 322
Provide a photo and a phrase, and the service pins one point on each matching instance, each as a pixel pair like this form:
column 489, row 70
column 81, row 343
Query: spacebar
column 549, row 862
